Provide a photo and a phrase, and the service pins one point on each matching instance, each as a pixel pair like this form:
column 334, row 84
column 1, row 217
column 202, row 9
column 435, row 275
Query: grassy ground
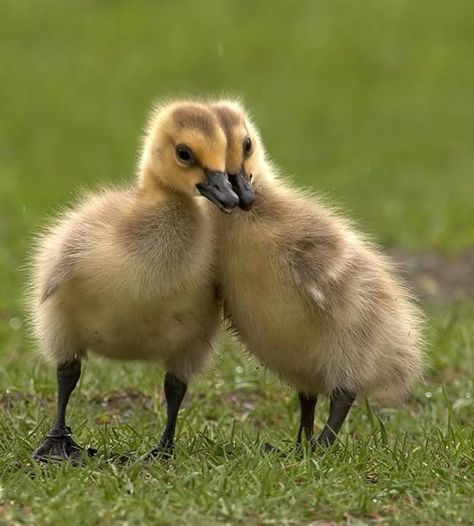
column 370, row 102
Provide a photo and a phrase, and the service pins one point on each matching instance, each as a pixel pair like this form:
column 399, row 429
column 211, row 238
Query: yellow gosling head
column 184, row 151
column 245, row 152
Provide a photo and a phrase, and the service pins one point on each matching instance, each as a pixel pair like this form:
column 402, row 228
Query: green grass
column 368, row 101
column 408, row 466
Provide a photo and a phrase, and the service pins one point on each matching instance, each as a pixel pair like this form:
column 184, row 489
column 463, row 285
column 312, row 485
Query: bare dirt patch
column 437, row 276
column 120, row 406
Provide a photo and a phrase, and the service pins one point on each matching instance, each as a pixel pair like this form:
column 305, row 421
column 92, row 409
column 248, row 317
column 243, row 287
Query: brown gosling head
column 184, row 151
column 245, row 153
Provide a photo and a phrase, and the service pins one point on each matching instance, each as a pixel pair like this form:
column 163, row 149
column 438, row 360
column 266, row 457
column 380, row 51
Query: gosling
column 311, row 298
column 130, row 274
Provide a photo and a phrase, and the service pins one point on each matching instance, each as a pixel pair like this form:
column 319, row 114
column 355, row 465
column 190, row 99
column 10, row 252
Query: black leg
column 307, row 407
column 340, row 405
column 175, row 390
column 58, row 444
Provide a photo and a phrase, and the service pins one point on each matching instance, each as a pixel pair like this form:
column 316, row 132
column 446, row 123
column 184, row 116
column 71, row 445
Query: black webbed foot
column 270, row 448
column 162, row 451
column 59, row 448
column 58, row 444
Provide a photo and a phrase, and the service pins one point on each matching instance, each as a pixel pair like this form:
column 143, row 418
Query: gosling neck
column 151, row 189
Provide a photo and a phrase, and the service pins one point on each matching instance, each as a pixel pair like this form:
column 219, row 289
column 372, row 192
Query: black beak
column 242, row 187
column 219, row 191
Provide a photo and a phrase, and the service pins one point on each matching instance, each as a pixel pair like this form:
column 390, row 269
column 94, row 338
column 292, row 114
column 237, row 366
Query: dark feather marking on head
column 228, row 119
column 195, row 117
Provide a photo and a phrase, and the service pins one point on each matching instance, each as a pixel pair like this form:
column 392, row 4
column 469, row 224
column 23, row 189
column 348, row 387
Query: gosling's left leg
column 307, row 407
column 340, row 405
column 58, row 444
column 175, row 390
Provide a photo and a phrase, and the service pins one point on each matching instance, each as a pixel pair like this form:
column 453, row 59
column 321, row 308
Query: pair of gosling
column 141, row 273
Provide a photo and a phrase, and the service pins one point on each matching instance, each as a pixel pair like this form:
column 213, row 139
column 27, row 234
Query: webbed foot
column 162, row 451
column 59, row 448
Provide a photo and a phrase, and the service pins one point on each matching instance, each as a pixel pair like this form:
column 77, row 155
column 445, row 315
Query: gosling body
column 129, row 277
column 315, row 301
column 130, row 274
column 308, row 295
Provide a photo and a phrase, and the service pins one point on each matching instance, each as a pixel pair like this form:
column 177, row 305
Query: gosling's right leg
column 58, row 444
column 340, row 404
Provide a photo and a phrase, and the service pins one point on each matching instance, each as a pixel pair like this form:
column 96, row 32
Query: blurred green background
column 371, row 102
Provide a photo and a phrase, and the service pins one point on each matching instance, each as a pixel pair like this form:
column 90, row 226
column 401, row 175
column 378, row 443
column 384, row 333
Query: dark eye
column 184, row 154
column 247, row 146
